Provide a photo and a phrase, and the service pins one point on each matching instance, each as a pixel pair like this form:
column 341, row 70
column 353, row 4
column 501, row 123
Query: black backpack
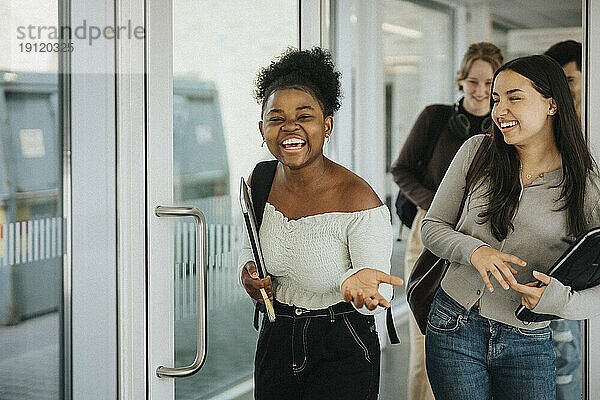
column 260, row 185
column 406, row 209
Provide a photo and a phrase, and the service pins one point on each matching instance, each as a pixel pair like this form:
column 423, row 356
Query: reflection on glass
column 418, row 60
column 218, row 49
column 30, row 209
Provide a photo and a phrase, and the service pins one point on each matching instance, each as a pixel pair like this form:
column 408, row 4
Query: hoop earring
column 327, row 138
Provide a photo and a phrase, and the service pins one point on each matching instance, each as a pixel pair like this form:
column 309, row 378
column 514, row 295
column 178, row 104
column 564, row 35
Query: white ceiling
column 522, row 14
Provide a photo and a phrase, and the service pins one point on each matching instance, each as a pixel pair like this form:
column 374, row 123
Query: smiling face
column 477, row 86
column 294, row 128
column 521, row 113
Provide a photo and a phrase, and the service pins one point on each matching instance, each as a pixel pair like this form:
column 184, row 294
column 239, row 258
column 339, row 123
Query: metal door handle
column 201, row 265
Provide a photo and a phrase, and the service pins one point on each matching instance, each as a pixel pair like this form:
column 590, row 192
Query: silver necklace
column 528, row 176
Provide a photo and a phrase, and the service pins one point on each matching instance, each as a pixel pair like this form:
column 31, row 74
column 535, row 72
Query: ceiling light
column 401, row 30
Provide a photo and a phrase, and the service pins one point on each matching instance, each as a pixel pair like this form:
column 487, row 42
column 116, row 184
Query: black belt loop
column 331, row 314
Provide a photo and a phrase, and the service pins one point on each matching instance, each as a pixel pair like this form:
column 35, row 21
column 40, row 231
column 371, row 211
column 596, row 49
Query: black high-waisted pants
column 331, row 353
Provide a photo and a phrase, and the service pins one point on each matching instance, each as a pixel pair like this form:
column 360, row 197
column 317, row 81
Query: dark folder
column 250, row 222
column 577, row 268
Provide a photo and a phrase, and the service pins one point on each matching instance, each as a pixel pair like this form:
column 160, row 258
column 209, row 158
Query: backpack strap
column 390, row 326
column 434, row 134
column 260, row 185
column 476, row 164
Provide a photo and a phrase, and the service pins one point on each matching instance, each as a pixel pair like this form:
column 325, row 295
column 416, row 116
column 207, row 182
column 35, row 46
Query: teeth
column 508, row 124
column 293, row 142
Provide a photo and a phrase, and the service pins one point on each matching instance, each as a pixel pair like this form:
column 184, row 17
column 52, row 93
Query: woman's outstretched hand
column 253, row 284
column 362, row 287
column 486, row 259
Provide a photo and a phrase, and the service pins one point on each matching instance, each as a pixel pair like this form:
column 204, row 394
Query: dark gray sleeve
column 438, row 227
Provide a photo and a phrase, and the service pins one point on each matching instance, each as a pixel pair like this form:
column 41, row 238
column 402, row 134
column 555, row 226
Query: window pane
column 30, row 203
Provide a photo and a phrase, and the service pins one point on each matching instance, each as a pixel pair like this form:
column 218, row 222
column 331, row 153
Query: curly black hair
column 312, row 70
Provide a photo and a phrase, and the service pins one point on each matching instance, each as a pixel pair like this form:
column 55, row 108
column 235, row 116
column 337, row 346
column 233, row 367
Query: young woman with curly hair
column 326, row 239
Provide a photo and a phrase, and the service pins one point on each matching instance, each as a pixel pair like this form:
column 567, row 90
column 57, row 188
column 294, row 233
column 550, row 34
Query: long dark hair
column 502, row 165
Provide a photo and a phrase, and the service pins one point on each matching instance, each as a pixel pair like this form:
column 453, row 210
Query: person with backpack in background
column 438, row 133
column 566, row 334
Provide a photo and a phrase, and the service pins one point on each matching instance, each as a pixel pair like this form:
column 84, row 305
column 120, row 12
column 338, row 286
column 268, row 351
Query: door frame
column 89, row 192
column 130, row 63
column 591, row 121
column 145, row 341
column 159, row 191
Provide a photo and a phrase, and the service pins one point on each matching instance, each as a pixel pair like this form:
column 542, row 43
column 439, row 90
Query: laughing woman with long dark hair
column 537, row 189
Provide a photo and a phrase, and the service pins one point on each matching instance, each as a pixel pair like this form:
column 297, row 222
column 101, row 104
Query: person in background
column 568, row 55
column 537, row 189
column 327, row 240
column 566, row 334
column 468, row 117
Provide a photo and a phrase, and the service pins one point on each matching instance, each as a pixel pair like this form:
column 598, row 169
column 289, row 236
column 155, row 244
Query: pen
column 268, row 305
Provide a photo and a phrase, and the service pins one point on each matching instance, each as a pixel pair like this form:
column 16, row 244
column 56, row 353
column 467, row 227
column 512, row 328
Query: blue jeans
column 567, row 345
column 470, row 357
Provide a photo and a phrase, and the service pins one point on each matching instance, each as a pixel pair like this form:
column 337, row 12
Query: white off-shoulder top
column 309, row 258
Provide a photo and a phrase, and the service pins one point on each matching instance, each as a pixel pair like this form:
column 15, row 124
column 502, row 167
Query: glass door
column 30, row 239
column 218, row 49
column 31, row 223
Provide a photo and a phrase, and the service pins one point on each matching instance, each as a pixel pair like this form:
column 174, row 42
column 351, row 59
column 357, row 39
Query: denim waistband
column 285, row 310
column 446, row 298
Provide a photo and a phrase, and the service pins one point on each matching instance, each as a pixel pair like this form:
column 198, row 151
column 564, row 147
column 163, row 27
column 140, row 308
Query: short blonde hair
column 485, row 51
